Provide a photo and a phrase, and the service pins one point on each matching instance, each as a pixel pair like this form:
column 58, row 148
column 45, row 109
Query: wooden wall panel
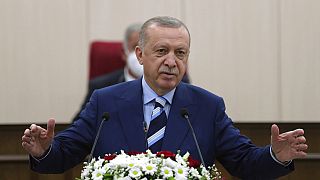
column 300, row 60
column 234, row 53
column 108, row 19
column 43, row 56
column 261, row 56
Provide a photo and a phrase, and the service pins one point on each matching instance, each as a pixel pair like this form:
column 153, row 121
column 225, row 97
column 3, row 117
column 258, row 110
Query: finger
column 27, row 147
column 26, row 139
column 43, row 134
column 33, row 128
column 302, row 147
column 298, row 132
column 27, row 136
column 27, row 132
column 274, row 132
column 300, row 154
column 301, row 139
column 50, row 127
column 24, row 145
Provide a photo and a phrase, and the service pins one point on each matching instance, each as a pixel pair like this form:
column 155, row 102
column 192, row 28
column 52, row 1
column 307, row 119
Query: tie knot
column 160, row 102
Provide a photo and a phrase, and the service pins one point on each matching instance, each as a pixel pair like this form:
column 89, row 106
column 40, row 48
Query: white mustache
column 167, row 70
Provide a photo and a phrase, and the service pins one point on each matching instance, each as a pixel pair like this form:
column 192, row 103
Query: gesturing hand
column 289, row 145
column 36, row 140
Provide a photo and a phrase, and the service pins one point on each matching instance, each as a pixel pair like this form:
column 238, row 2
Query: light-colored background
column 262, row 56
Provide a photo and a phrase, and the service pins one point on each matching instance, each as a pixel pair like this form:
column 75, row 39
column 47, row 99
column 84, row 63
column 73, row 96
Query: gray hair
column 162, row 21
column 130, row 29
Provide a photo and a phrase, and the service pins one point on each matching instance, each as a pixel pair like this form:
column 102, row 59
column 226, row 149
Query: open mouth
column 168, row 75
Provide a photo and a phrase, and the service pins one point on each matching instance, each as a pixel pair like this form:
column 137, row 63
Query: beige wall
column 261, row 56
column 43, row 53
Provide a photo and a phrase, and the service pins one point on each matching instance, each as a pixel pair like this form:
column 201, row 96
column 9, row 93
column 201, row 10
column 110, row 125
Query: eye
column 161, row 52
column 181, row 54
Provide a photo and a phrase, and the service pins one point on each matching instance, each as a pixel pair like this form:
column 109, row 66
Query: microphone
column 145, row 129
column 105, row 117
column 184, row 113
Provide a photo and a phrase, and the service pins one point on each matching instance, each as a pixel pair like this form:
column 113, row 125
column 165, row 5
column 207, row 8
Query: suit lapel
column 131, row 116
column 177, row 127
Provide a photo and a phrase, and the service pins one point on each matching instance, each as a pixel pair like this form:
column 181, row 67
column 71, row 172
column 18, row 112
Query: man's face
column 164, row 57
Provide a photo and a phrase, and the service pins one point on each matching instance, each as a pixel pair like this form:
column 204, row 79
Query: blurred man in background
column 132, row 70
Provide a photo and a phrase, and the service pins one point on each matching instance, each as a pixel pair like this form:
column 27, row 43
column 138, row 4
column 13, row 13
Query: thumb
column 50, row 127
column 274, row 133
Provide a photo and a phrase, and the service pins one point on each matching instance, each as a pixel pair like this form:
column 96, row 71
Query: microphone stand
column 105, row 117
column 185, row 114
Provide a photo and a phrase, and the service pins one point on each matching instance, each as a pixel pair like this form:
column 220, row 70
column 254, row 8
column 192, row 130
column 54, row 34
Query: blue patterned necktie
column 157, row 125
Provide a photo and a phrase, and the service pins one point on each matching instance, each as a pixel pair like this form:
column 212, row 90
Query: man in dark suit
column 133, row 107
column 132, row 70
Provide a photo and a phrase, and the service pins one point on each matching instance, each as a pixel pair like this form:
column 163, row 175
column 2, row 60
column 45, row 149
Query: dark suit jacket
column 218, row 138
column 109, row 79
column 106, row 80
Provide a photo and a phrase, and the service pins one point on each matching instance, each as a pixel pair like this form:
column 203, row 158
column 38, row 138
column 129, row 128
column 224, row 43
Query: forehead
column 159, row 35
column 134, row 34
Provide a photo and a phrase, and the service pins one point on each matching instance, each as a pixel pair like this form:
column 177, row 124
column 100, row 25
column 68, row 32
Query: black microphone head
column 105, row 116
column 184, row 112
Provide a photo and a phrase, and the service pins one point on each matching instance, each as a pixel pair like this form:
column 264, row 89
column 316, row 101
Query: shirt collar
column 149, row 94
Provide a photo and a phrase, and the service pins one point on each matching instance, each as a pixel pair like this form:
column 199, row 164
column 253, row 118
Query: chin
column 168, row 86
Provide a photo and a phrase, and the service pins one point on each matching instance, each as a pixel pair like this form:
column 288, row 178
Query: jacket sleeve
column 71, row 146
column 240, row 156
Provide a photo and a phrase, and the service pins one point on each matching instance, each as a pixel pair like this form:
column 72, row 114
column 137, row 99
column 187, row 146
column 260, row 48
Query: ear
column 138, row 52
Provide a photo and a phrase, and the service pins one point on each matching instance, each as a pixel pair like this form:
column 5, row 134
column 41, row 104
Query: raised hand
column 36, row 140
column 289, row 145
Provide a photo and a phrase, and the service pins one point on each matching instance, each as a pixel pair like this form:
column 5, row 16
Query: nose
column 170, row 60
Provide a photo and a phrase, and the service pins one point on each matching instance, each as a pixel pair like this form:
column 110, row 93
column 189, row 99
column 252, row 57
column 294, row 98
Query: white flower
column 85, row 172
column 169, row 162
column 180, row 160
column 98, row 163
column 120, row 160
column 149, row 168
column 186, row 156
column 98, row 174
column 123, row 178
column 181, row 172
column 130, row 163
column 142, row 166
column 194, row 173
column 166, row 172
column 135, row 173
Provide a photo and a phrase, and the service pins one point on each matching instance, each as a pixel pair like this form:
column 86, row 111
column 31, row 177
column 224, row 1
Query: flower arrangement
column 163, row 165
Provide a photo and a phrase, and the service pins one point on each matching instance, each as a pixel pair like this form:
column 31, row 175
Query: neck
column 158, row 91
